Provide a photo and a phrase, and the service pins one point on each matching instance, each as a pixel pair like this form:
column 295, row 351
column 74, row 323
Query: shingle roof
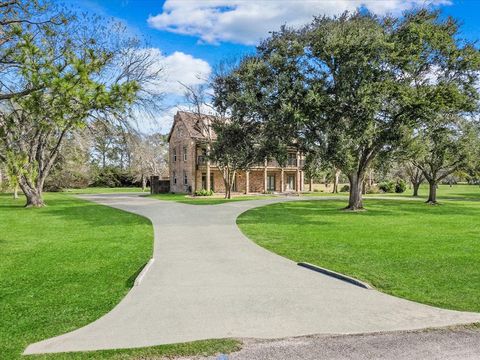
column 191, row 122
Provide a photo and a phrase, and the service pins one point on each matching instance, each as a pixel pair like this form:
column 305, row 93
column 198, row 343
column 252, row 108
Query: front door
column 271, row 182
column 290, row 182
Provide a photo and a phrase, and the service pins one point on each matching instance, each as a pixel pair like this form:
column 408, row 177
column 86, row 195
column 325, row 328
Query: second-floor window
column 174, row 177
column 174, row 154
column 185, row 179
column 184, row 153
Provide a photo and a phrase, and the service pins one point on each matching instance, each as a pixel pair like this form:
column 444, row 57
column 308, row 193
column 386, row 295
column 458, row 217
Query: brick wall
column 180, row 141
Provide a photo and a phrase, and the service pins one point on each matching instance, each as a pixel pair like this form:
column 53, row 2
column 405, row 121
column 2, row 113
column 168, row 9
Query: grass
column 206, row 200
column 444, row 192
column 424, row 253
column 105, row 190
column 66, row 265
column 194, row 348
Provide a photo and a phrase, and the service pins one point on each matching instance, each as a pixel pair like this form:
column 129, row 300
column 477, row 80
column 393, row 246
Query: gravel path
column 439, row 344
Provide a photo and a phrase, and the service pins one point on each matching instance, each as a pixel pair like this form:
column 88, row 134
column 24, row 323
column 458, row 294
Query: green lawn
column 425, row 253
column 206, row 200
column 460, row 191
column 105, row 190
column 67, row 264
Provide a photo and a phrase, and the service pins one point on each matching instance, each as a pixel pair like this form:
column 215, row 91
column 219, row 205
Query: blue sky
column 190, row 37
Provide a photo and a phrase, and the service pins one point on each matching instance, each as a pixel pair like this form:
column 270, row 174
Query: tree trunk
column 144, row 182
column 33, row 193
column 416, row 186
column 355, row 200
column 432, row 193
column 335, row 181
column 15, row 192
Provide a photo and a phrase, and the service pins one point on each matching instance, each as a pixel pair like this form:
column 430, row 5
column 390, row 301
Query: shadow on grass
column 131, row 280
column 301, row 212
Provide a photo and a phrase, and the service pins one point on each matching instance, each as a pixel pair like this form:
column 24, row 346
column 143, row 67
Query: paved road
column 209, row 281
column 439, row 344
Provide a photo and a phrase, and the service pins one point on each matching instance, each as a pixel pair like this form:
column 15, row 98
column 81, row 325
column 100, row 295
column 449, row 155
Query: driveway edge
column 336, row 275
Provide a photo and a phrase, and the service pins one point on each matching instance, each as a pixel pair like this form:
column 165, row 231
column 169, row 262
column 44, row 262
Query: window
column 174, row 154
column 174, row 177
column 184, row 153
column 185, row 179
column 271, row 182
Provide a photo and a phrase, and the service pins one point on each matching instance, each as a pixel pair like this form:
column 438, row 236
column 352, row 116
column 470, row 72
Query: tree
column 149, row 157
column 443, row 147
column 352, row 88
column 77, row 78
column 236, row 148
column 17, row 19
column 239, row 140
column 415, row 175
column 73, row 168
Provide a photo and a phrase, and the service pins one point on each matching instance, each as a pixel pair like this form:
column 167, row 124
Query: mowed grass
column 429, row 254
column 105, row 190
column 444, row 192
column 206, row 200
column 66, row 265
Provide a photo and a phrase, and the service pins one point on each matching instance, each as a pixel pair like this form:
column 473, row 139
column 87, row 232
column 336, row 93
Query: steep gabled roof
column 191, row 122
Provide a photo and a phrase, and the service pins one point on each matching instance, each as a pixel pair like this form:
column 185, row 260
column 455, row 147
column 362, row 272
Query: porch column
column 208, row 185
column 302, row 180
column 247, row 182
column 297, row 178
column 282, row 180
column 265, row 177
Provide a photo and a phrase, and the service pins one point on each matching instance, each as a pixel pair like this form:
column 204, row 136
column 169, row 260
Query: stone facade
column 188, row 168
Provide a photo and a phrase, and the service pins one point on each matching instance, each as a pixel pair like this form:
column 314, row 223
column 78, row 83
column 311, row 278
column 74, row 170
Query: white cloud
column 184, row 68
column 175, row 69
column 247, row 22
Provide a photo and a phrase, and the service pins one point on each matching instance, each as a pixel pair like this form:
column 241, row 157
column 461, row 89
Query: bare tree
column 149, row 157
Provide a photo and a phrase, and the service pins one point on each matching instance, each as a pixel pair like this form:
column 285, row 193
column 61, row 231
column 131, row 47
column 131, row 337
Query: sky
column 189, row 38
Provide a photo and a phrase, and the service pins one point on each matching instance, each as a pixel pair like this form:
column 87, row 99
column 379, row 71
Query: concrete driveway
column 208, row 280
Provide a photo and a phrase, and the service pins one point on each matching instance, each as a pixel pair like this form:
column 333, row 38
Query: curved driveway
column 208, row 280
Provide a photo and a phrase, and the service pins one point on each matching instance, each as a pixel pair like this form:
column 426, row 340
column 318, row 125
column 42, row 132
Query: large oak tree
column 352, row 88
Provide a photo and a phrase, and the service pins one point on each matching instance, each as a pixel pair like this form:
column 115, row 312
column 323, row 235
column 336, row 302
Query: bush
column 373, row 189
column 317, row 190
column 345, row 188
column 114, row 177
column 204, row 192
column 387, row 186
column 400, row 186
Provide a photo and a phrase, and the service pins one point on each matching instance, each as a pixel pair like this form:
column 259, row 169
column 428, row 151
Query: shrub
column 373, row 189
column 317, row 190
column 114, row 177
column 400, row 186
column 345, row 188
column 204, row 192
column 387, row 186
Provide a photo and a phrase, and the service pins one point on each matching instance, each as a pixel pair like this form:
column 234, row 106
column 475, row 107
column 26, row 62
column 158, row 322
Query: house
column 190, row 169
